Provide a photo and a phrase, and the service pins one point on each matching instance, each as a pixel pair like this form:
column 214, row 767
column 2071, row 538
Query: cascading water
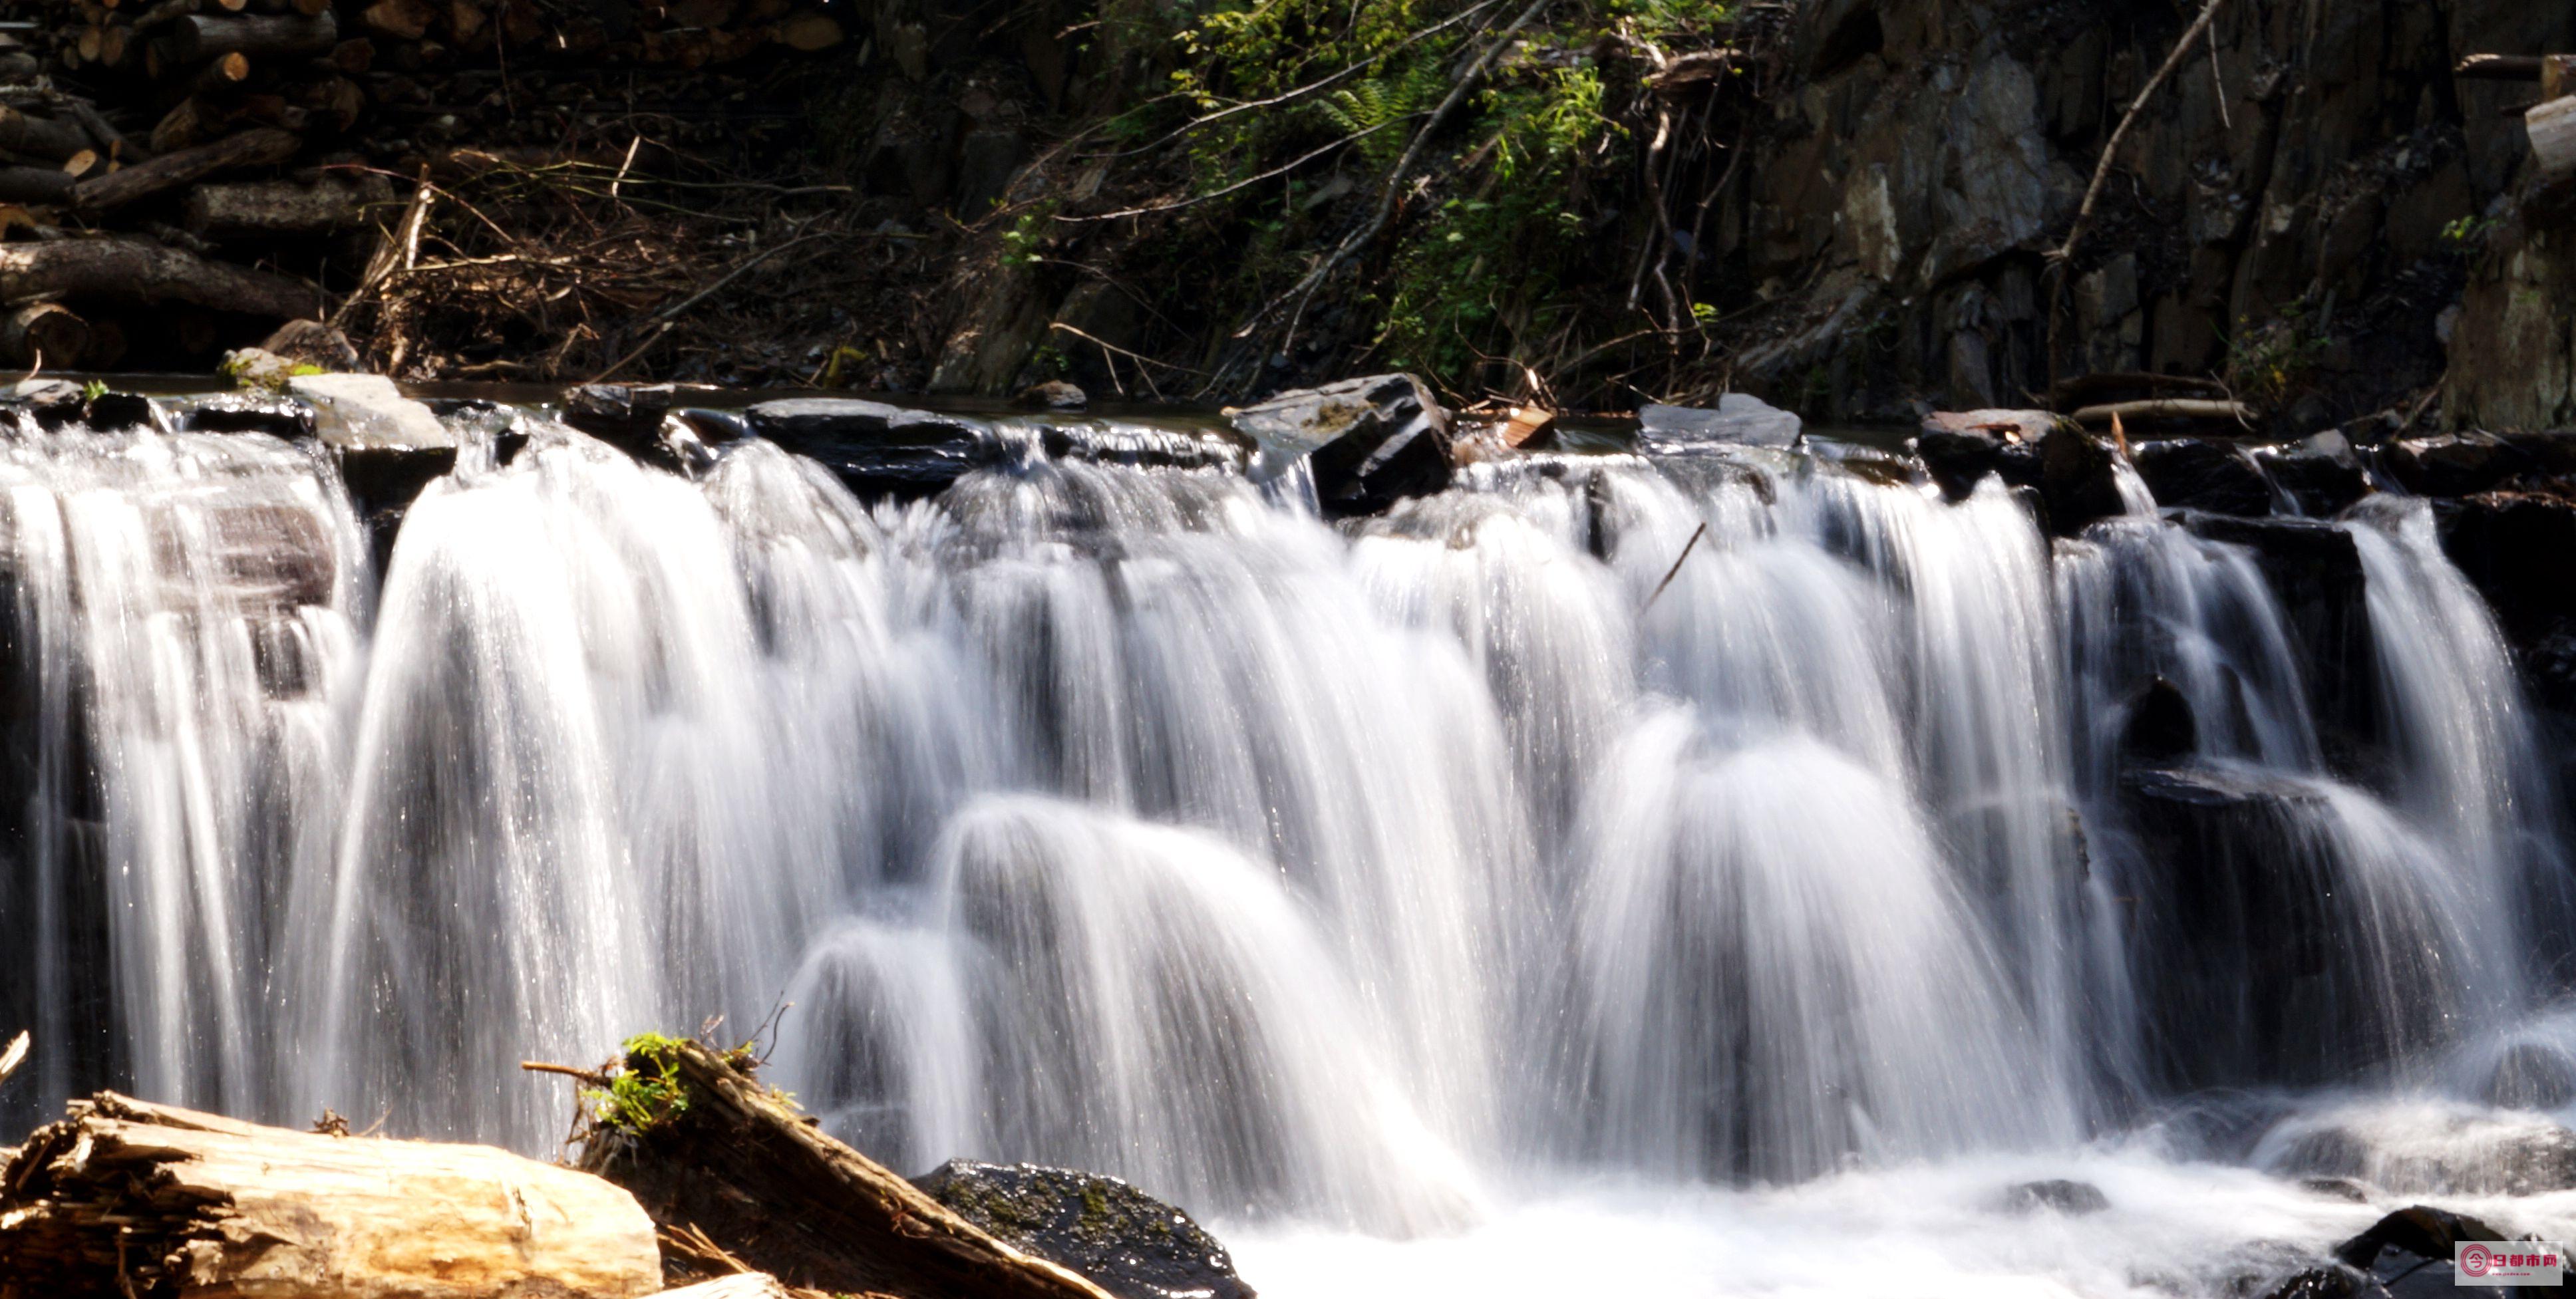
column 1398, row 880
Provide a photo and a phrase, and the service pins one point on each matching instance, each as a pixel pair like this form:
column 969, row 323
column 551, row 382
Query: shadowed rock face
column 1368, row 442
column 1125, row 1241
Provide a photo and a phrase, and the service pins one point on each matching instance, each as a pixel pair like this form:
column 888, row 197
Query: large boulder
column 1125, row 1241
column 2314, row 570
column 2320, row 475
column 2453, row 464
column 880, row 451
column 1367, row 442
column 1961, row 447
column 2078, row 480
column 2201, row 474
column 1739, row 419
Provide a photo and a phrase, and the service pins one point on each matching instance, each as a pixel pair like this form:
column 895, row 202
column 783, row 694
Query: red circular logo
column 2475, row 1260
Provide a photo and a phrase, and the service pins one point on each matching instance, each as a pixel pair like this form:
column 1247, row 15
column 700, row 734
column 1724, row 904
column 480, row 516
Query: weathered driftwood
column 279, row 207
column 2169, row 408
column 2552, row 127
column 252, row 148
column 126, row 1197
column 134, row 270
column 742, row 1166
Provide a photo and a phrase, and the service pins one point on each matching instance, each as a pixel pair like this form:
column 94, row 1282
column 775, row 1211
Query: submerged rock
column 633, row 419
column 2314, row 570
column 248, row 412
column 2160, row 729
column 2531, row 1076
column 2420, row 1231
column 876, row 449
column 2454, row 464
column 2196, row 473
column 1739, row 419
column 1125, row 1241
column 2321, row 475
column 1368, row 442
column 2059, row 1195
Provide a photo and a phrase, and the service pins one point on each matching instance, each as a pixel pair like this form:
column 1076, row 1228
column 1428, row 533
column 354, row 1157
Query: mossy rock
column 1125, row 1241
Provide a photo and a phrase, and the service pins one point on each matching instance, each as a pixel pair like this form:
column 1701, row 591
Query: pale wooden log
column 280, row 207
column 2552, row 127
column 199, row 37
column 14, row 1056
column 44, row 334
column 133, row 270
column 2165, row 408
column 128, row 1197
column 252, row 148
column 763, row 1181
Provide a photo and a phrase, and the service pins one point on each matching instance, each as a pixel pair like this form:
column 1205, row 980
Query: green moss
column 645, row 1091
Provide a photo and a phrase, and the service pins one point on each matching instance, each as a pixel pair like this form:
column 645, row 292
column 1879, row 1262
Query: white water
column 1431, row 903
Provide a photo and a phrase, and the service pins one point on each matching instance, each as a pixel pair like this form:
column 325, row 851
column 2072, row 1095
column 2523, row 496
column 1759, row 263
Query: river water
column 1431, row 903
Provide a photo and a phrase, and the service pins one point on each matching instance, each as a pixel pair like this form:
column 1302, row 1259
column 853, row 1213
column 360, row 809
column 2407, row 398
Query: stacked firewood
column 227, row 162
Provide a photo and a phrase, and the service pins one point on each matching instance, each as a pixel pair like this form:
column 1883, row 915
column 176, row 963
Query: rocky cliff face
column 2300, row 209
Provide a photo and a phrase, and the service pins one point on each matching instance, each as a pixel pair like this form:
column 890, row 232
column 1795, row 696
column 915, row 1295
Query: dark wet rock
column 2201, row 474
column 1054, row 394
column 248, row 412
column 2336, row 1188
column 2531, row 1076
column 2160, row 730
column 1740, row 419
column 2328, row 1283
column 714, row 427
column 2454, row 464
column 1125, row 1241
column 634, row 420
column 1961, row 447
column 879, row 450
column 2320, row 475
column 2079, row 479
column 1154, row 445
column 2420, row 1231
column 2515, row 547
column 2057, row 1195
column 2241, row 952
column 111, row 412
column 383, row 481
column 2314, row 570
column 1368, row 442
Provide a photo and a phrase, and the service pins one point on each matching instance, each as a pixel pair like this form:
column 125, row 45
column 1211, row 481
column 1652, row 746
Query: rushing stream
column 1439, row 904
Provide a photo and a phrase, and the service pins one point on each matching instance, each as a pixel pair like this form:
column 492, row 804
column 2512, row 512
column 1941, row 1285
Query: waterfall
column 1723, row 821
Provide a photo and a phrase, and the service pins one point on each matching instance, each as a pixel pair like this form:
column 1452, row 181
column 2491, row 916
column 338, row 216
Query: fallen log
column 257, row 147
column 46, row 335
column 133, row 270
column 197, row 38
column 127, row 1197
column 2167, row 408
column 40, row 137
column 703, row 1144
column 36, row 186
column 282, row 207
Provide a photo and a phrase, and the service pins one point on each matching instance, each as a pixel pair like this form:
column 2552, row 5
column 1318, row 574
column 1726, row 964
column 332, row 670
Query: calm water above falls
column 1427, row 900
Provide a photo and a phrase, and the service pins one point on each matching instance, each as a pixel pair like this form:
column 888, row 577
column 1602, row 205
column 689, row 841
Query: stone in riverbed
column 1740, row 419
column 1961, row 447
column 876, row 449
column 2320, row 475
column 367, row 410
column 1054, row 394
column 1368, row 442
column 2196, row 473
column 1125, row 1241
column 2078, row 480
column 2454, row 464
column 2074, row 1199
